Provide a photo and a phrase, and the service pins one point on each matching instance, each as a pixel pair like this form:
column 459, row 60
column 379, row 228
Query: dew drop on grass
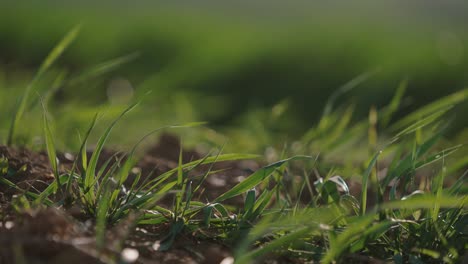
column 9, row 225
column 228, row 260
column 136, row 170
column 129, row 255
column 157, row 245
column 69, row 156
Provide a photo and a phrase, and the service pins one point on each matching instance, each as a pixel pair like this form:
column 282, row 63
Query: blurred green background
column 266, row 65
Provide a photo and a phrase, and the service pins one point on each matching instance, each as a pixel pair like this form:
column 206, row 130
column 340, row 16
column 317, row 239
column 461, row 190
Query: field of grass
column 370, row 191
column 219, row 63
column 374, row 188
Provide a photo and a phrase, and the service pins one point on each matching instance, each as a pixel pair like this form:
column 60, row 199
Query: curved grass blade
column 346, row 88
column 82, row 153
column 443, row 103
column 50, row 146
column 103, row 68
column 91, row 170
column 365, row 180
column 31, row 195
column 49, row 60
column 358, row 231
column 41, row 198
column 126, row 167
column 207, row 160
column 394, row 104
column 425, row 121
column 427, row 201
column 277, row 243
column 256, row 178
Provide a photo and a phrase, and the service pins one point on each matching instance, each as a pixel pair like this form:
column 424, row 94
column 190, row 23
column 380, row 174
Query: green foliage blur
column 269, row 66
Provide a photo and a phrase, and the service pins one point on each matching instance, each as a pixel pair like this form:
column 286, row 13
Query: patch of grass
column 406, row 208
column 406, row 223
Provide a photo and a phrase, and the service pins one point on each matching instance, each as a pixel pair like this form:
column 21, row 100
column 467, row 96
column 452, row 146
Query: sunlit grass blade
column 394, row 104
column 126, row 167
column 400, row 166
column 427, row 201
column 249, row 203
column 421, row 123
column 341, row 243
column 50, row 146
column 365, row 181
column 103, row 68
column 91, row 169
column 180, row 184
column 303, row 224
column 82, row 154
column 29, row 194
column 346, row 88
column 101, row 215
column 59, row 80
column 443, row 103
column 42, row 198
column 145, row 201
column 207, row 160
column 282, row 241
column 49, row 60
column 256, row 178
column 437, row 156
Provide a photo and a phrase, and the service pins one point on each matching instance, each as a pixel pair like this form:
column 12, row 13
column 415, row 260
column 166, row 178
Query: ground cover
column 376, row 190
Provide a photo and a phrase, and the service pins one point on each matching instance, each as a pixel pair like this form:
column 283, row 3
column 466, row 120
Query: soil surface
column 56, row 235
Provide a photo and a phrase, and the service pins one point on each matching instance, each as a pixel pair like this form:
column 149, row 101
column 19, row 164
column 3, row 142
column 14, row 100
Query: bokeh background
column 266, row 67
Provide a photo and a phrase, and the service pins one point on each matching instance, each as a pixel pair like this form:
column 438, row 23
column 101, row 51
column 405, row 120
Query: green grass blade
column 438, row 156
column 420, row 123
column 180, row 184
column 346, row 88
column 256, row 178
column 43, row 196
column 365, row 180
column 207, row 160
column 50, row 145
column 129, row 161
column 341, row 243
column 82, row 153
column 427, row 201
column 29, row 194
column 394, row 104
column 103, row 68
column 442, row 103
column 282, row 241
column 58, row 50
column 49, row 60
column 101, row 217
column 91, row 170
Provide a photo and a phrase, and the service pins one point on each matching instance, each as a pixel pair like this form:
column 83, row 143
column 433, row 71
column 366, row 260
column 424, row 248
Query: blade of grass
column 82, row 153
column 103, row 68
column 49, row 60
column 256, row 178
column 427, row 201
column 442, row 103
column 394, row 104
column 91, row 170
column 365, row 180
column 207, row 160
column 50, row 145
